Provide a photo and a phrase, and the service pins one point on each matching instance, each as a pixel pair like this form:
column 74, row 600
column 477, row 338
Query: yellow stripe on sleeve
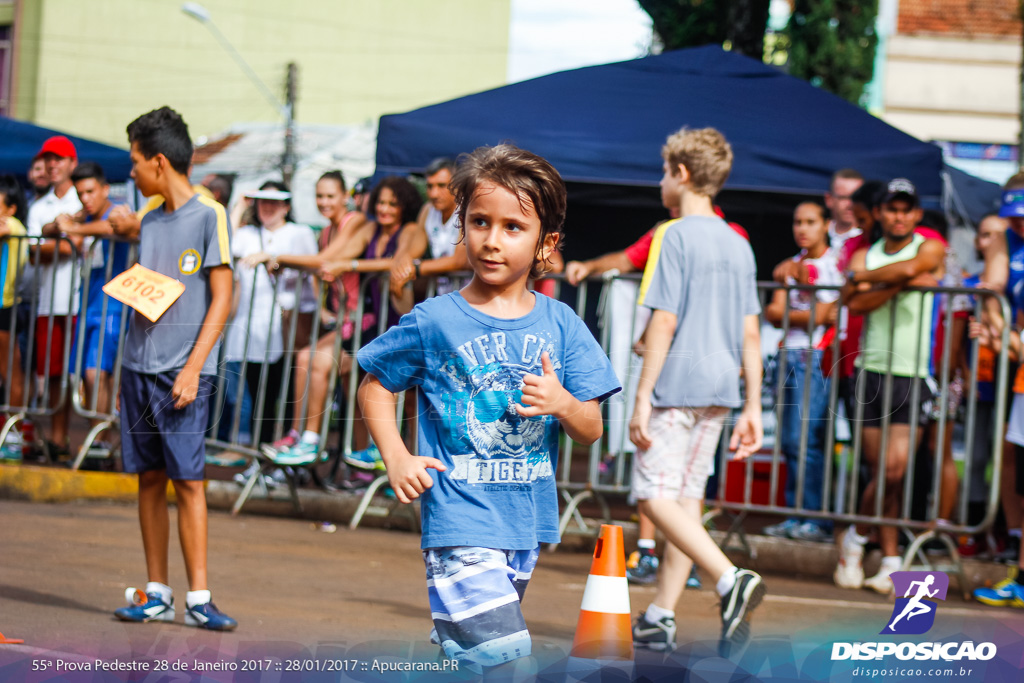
column 222, row 227
column 652, row 259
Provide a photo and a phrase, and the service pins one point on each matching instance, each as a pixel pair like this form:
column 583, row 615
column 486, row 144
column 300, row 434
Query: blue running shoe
column 302, row 453
column 143, row 606
column 694, row 580
column 366, row 459
column 208, row 616
column 1006, row 593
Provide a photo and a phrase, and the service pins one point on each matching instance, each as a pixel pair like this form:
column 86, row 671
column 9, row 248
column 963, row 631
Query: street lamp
column 285, row 109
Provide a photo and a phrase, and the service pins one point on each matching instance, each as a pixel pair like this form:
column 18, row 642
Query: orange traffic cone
column 604, row 631
column 10, row 641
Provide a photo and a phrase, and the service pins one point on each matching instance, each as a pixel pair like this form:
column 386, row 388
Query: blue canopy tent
column 21, row 141
column 969, row 197
column 606, row 124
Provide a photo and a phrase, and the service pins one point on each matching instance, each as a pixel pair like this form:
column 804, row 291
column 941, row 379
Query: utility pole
column 288, row 159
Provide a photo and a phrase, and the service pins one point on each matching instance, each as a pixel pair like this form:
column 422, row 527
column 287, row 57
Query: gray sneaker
column 782, row 529
column 809, row 531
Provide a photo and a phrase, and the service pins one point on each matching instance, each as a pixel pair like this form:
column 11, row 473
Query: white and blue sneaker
column 302, row 453
column 143, row 606
column 209, row 617
column 366, row 459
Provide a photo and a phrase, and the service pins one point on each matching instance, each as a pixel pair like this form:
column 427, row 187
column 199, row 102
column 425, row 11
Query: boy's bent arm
column 186, row 385
column 407, row 473
column 544, row 395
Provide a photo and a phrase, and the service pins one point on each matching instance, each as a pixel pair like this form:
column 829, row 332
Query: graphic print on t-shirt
column 497, row 444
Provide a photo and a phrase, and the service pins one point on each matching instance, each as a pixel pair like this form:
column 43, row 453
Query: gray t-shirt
column 705, row 275
column 183, row 245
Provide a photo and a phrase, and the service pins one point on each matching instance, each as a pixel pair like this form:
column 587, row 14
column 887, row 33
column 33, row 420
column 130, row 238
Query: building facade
column 91, row 67
column 951, row 74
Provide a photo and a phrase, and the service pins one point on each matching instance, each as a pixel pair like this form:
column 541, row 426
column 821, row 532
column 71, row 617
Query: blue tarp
column 606, row 124
column 19, row 142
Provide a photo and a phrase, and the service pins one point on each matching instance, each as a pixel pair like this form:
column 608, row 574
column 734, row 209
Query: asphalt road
column 308, row 600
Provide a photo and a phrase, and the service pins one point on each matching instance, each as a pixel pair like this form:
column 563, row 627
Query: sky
column 553, row 35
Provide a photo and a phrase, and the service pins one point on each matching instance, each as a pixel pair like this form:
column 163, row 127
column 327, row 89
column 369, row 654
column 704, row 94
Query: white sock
column 193, row 598
column 163, row 590
column 654, row 614
column 1014, row 532
column 310, row 437
column 891, row 562
column 646, row 544
column 852, row 540
column 727, row 581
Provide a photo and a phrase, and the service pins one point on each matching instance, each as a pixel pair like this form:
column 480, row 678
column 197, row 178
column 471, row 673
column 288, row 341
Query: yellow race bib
column 147, row 291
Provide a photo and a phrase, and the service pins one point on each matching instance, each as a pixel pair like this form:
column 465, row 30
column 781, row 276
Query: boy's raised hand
column 544, row 394
column 408, row 475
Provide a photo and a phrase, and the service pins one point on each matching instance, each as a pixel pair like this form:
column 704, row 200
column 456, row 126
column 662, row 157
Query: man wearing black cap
column 877, row 276
column 58, row 292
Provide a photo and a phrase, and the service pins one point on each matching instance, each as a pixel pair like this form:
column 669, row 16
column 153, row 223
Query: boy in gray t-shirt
column 164, row 400
column 703, row 333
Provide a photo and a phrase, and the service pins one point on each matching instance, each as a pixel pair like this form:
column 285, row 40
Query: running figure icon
column 915, row 606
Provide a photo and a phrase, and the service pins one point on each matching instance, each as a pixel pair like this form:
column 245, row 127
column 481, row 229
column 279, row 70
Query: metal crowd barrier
column 31, row 272
column 841, row 481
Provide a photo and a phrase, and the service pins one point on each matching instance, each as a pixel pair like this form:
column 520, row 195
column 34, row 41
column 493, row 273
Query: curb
column 767, row 554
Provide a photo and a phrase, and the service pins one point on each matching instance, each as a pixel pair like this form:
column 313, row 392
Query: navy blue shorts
column 157, row 436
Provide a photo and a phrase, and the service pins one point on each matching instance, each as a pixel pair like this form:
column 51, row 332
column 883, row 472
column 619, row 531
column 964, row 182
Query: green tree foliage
column 736, row 24
column 831, row 43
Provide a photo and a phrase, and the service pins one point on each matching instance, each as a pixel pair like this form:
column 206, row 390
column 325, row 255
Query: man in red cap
column 57, row 294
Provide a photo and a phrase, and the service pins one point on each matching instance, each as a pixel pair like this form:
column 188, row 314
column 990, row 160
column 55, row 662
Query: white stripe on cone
column 608, row 594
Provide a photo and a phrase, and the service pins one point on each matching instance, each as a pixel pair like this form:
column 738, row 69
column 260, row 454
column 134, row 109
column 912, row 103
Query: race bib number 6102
column 147, row 291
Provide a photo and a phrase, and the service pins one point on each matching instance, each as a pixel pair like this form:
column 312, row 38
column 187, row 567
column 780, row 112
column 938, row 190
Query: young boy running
column 164, row 396
column 703, row 332
column 500, row 369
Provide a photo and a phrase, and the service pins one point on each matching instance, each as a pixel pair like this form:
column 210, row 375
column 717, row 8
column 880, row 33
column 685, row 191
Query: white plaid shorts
column 682, row 453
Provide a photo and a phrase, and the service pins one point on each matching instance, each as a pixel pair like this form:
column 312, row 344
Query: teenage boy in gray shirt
column 165, row 379
column 701, row 286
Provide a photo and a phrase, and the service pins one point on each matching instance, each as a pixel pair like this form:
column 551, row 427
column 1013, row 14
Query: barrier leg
column 293, row 488
column 954, row 566
column 90, row 439
column 256, row 476
column 9, row 425
column 364, row 502
column 572, row 511
column 735, row 529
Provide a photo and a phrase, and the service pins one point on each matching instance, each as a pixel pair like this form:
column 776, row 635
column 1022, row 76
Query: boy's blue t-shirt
column 499, row 489
column 98, row 277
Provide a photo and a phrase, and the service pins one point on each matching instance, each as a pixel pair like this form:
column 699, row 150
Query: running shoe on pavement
column 143, row 606
column 737, row 605
column 1006, row 593
column 654, row 636
column 209, row 617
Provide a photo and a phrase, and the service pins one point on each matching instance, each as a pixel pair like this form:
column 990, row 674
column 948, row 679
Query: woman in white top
column 262, row 297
